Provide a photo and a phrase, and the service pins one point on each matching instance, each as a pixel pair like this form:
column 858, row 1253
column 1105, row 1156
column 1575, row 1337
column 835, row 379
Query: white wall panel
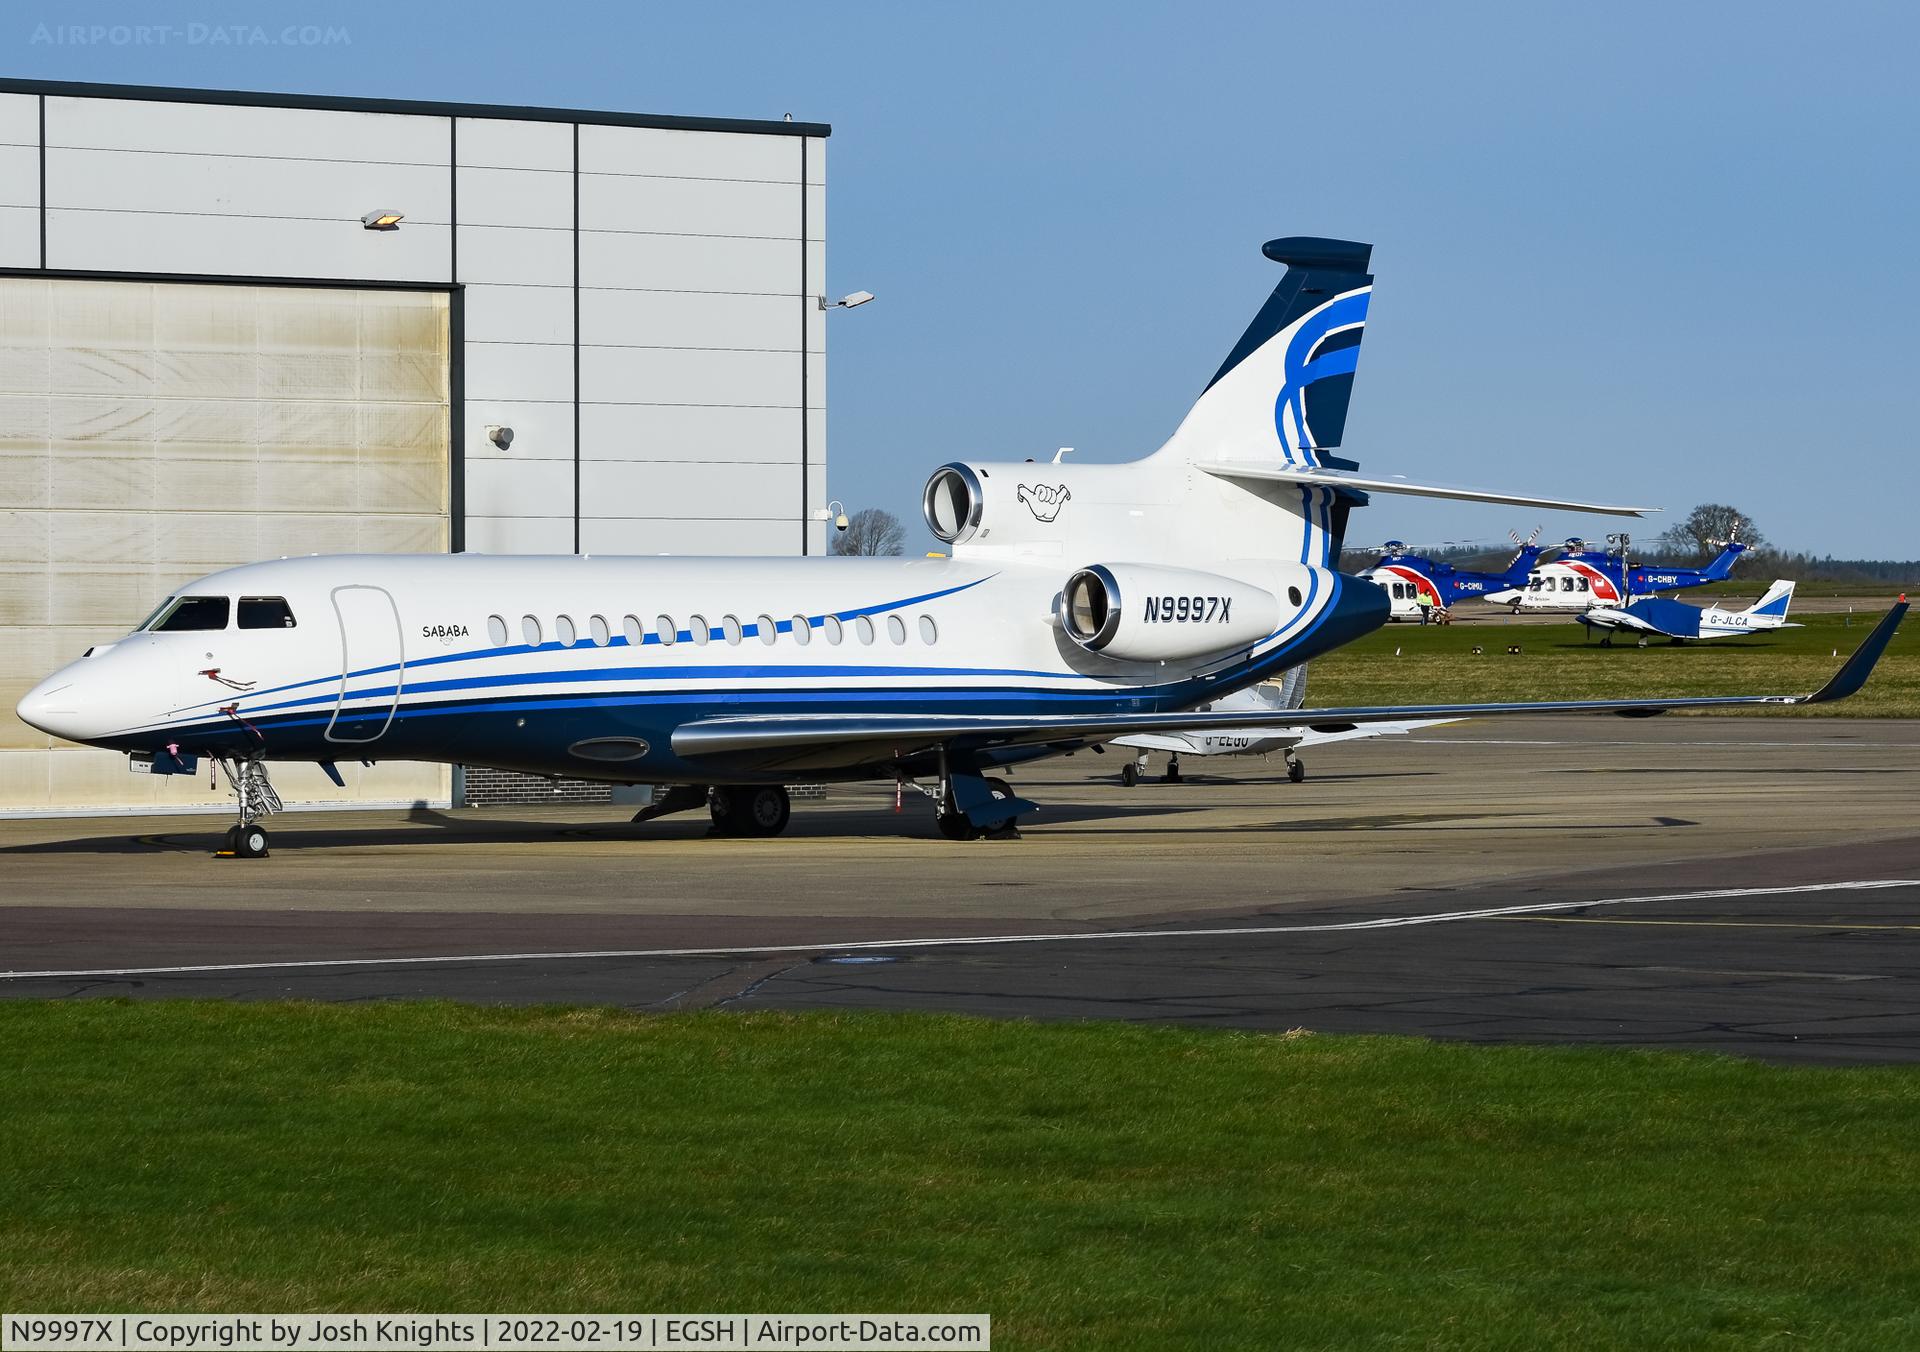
column 20, row 120
column 19, row 176
column 503, row 144
column 689, row 206
column 524, row 197
column 19, row 237
column 221, row 185
column 817, row 160
column 519, row 257
column 519, row 535
column 689, row 263
column 525, row 488
column 229, row 246
column 690, row 319
column 527, row 314
column 658, row 535
column 760, row 436
column 632, row 375
column 293, row 133
column 507, row 372
column 683, row 491
column 689, row 154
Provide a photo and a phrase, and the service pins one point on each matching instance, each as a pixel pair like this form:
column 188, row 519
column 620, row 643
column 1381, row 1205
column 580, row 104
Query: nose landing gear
column 255, row 797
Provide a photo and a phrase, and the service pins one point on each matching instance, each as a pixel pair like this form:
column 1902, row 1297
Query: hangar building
column 211, row 353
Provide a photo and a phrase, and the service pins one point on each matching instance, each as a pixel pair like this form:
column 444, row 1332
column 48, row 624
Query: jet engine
column 1143, row 613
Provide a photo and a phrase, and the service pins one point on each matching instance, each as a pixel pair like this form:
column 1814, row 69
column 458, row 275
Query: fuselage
column 585, row 666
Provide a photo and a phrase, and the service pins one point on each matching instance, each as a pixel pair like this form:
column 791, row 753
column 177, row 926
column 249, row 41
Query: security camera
column 500, row 436
column 840, row 521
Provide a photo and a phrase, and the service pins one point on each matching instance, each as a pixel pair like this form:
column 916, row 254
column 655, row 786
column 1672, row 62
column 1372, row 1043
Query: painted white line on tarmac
column 871, row 945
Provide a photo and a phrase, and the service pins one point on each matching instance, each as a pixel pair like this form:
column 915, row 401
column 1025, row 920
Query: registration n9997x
column 1188, row 609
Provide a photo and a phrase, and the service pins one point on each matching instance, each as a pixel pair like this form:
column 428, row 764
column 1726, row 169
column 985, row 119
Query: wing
column 1333, row 478
column 813, row 740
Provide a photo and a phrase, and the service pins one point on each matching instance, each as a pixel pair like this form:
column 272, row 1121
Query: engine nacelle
column 1140, row 612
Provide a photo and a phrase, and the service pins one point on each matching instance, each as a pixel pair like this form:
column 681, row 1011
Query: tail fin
column 1779, row 596
column 1281, row 395
column 1528, row 554
column 1722, row 566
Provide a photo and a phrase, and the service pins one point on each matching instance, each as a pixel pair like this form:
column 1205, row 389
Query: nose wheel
column 254, row 798
column 247, row 842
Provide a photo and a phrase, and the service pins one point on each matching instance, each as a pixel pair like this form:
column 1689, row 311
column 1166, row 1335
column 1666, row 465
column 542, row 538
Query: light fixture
column 500, row 436
column 846, row 302
column 382, row 220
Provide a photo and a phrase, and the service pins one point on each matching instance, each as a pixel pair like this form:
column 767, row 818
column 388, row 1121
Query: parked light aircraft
column 1267, row 706
column 1081, row 602
column 1406, row 577
column 1584, row 576
column 1679, row 622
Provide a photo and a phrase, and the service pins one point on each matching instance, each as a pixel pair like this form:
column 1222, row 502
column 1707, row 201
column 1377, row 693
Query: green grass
column 1558, row 661
column 1088, row 1185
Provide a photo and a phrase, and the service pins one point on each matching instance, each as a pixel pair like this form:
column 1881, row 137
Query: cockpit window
column 193, row 613
column 265, row 612
column 152, row 615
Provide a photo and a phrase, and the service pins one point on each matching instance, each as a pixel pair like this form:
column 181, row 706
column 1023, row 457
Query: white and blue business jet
column 1081, row 603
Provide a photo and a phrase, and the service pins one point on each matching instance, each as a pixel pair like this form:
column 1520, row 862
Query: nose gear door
column 371, row 663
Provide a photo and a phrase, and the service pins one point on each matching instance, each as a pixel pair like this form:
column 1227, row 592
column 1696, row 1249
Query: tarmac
column 1741, row 885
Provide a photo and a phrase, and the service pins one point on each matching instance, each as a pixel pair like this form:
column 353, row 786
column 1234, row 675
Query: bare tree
column 1706, row 528
column 871, row 531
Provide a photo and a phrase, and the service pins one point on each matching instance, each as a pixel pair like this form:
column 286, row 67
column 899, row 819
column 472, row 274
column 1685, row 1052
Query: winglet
column 1854, row 673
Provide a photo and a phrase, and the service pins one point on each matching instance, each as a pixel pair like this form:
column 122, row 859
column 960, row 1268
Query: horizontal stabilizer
column 1333, row 478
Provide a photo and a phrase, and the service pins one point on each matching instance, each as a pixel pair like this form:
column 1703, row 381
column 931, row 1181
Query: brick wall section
column 485, row 788
column 488, row 787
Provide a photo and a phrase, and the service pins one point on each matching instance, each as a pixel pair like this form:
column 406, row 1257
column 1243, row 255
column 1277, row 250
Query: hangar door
column 154, row 432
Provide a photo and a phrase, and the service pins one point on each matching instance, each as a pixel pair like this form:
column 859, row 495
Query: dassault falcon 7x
column 1081, row 603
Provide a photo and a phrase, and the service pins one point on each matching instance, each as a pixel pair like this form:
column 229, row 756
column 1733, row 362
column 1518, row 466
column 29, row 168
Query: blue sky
column 1652, row 253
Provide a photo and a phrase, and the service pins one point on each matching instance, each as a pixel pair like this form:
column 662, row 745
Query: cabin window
column 896, row 629
column 929, row 631
column 497, row 630
column 697, row 629
column 1584, row 586
column 188, row 613
column 730, row 626
column 564, row 631
column 530, row 630
column 864, row 627
column 664, row 629
column 769, row 631
column 1566, row 584
column 802, row 631
column 636, row 635
column 601, row 631
column 265, row 612
column 835, row 630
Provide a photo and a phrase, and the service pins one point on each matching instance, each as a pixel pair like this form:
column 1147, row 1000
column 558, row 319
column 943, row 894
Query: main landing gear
column 1296, row 768
column 748, row 810
column 255, row 797
column 1172, row 776
column 957, row 825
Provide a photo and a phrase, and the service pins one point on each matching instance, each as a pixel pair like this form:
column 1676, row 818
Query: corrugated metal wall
column 154, row 432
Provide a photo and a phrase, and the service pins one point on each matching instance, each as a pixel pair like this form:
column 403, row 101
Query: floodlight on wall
column 382, row 220
column 846, row 302
column 500, row 436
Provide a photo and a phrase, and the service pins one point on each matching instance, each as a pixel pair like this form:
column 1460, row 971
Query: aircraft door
column 371, row 663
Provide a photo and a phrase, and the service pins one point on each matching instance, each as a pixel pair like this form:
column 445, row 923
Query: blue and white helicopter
column 1586, row 576
column 1406, row 576
column 1081, row 603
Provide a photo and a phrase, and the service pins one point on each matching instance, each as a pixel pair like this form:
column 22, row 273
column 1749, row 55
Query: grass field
column 1558, row 661
column 1088, row 1185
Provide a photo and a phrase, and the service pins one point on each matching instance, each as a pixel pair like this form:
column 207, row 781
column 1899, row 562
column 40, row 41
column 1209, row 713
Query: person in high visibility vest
column 1425, row 601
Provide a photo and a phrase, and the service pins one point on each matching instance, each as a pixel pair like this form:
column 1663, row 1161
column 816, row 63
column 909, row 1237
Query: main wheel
column 251, row 843
column 955, row 826
column 1130, row 773
column 768, row 809
column 1296, row 770
column 1002, row 790
column 729, row 814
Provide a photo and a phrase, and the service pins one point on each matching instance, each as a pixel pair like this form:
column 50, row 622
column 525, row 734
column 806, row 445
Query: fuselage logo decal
column 1044, row 500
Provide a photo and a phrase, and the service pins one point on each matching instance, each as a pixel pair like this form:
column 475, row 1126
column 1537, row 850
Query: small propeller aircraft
column 1679, row 622
column 1268, row 704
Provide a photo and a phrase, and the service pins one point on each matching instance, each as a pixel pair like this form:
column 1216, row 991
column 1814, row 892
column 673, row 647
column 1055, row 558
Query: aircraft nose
column 52, row 706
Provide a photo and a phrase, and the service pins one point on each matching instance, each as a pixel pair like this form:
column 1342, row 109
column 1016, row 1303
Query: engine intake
column 1143, row 613
column 954, row 501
